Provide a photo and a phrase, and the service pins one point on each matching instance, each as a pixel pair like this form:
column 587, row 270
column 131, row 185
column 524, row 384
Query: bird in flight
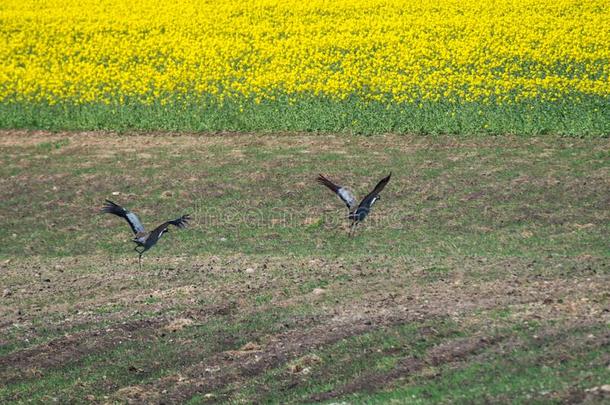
column 357, row 213
column 143, row 240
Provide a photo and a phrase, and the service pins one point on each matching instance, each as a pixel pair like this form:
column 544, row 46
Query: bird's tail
column 181, row 222
column 324, row 181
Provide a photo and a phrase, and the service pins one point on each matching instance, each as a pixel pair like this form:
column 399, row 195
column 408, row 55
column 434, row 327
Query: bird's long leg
column 348, row 214
column 352, row 229
column 140, row 252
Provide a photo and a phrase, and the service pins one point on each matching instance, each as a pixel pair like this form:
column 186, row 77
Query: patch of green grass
column 339, row 363
column 310, row 285
column 109, row 308
column 146, row 355
column 527, row 375
column 262, row 299
column 95, row 374
column 50, row 146
column 587, row 117
column 152, row 300
column 479, row 197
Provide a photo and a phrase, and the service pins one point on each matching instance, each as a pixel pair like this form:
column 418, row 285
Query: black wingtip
column 107, row 207
column 181, row 222
column 112, row 208
column 325, row 182
column 110, row 204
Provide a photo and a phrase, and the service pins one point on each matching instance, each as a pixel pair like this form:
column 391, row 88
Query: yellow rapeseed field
column 403, row 50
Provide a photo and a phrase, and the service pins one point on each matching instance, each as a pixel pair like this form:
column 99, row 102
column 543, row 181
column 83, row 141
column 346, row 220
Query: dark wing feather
column 382, row 183
column 324, row 181
column 161, row 229
column 130, row 217
column 343, row 193
column 181, row 222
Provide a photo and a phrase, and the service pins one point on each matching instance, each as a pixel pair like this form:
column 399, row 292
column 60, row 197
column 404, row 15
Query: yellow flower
column 112, row 51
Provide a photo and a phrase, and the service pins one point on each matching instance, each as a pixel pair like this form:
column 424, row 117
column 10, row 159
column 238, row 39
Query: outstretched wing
column 373, row 195
column 344, row 194
column 181, row 222
column 161, row 229
column 130, row 217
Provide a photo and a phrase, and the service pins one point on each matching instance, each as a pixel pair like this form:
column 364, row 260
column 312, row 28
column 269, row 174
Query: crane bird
column 143, row 240
column 356, row 213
